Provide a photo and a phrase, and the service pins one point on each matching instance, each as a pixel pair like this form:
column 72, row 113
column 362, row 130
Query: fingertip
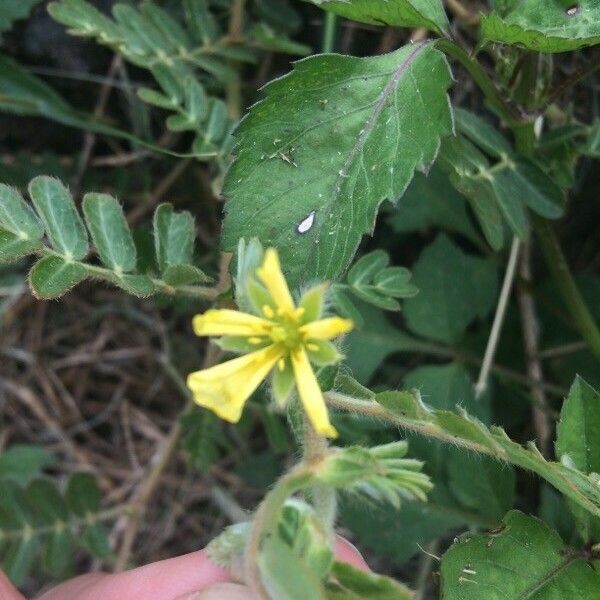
column 7, row 590
column 346, row 552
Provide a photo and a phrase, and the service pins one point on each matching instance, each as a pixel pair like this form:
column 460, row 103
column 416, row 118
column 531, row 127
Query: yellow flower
column 283, row 340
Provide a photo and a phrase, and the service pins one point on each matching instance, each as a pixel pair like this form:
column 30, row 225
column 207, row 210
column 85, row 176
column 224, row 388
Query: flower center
column 287, row 332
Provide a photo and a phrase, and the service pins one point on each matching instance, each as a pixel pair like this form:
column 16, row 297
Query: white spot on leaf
column 306, row 224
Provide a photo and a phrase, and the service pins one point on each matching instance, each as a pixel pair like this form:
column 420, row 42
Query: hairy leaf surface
column 330, row 142
column 545, row 25
column 523, row 559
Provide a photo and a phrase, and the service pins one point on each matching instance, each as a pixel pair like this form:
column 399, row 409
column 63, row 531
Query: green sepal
column 258, row 296
column 326, row 353
column 240, row 344
column 313, row 302
column 282, row 383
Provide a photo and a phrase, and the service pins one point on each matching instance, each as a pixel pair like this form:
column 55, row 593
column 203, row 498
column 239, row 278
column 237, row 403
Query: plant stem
column 494, row 338
column 559, row 269
column 329, row 27
column 265, row 521
column 323, row 496
column 482, row 79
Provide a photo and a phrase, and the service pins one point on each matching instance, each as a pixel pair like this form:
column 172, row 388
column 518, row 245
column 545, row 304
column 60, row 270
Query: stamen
column 255, row 340
column 281, row 364
column 312, row 347
column 299, row 312
column 268, row 311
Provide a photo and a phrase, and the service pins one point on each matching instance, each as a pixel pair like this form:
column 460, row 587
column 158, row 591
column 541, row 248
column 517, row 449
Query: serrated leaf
column 53, row 276
column 17, row 217
column 401, row 13
column 352, row 583
column 544, row 25
column 110, row 232
column 64, row 226
column 173, row 236
column 455, row 289
column 13, row 247
column 539, row 564
column 578, row 442
column 327, row 139
column 176, row 275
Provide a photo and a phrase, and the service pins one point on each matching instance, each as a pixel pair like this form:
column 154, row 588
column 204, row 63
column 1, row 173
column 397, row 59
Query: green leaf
column 50, row 508
column 431, row 201
column 578, row 443
column 56, row 208
column 110, row 232
column 401, row 13
column 534, row 557
column 176, row 275
column 285, row 575
column 544, row 25
column 17, row 558
column 53, row 276
column 317, row 157
column 138, row 285
column 24, row 94
column 17, row 217
column 21, row 462
column 578, row 432
column 13, row 247
column 482, row 133
column 13, row 10
column 455, row 289
column 173, row 237
column 466, row 431
column 374, row 282
column 355, row 584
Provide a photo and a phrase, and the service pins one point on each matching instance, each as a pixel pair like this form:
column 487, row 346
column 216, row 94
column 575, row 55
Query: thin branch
column 541, row 422
column 494, row 338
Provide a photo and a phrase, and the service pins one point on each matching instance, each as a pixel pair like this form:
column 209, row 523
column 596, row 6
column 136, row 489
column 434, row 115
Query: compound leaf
column 56, row 208
column 53, row 276
column 110, row 232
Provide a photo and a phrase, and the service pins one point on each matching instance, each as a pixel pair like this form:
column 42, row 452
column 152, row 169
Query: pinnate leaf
column 56, row 208
column 53, row 276
column 544, row 25
column 110, row 232
column 522, row 559
column 173, row 236
column 330, row 142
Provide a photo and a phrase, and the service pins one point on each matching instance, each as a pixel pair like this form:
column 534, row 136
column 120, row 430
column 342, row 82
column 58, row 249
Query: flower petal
column 270, row 274
column 229, row 322
column 326, row 329
column 225, row 388
column 311, row 394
